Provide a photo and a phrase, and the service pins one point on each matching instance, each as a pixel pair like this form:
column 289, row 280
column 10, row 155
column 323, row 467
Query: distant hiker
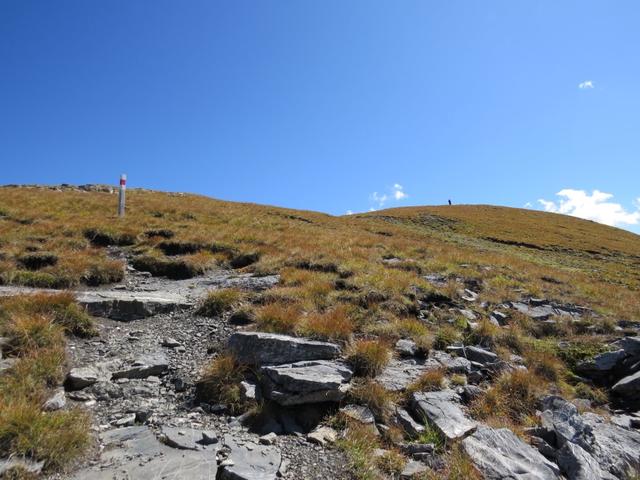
column 449, row 202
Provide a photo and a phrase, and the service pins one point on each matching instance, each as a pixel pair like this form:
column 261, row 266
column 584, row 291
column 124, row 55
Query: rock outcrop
column 499, row 454
column 306, row 382
column 259, row 348
column 443, row 410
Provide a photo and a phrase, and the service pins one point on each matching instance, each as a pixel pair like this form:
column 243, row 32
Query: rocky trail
column 138, row 378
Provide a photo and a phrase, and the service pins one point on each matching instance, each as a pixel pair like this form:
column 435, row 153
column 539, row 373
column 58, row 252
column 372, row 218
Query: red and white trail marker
column 121, row 196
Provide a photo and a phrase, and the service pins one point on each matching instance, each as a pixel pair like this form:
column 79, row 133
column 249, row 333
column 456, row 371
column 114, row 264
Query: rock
column 412, row 470
column 615, row 449
column 322, row 435
column 183, row 438
column 451, row 363
column 499, row 454
column 208, row 438
column 268, row 439
column 469, row 295
column 399, row 374
column 443, row 410
column 577, row 464
column 561, row 418
column 480, row 355
column 24, row 464
column 630, row 345
column 406, row 348
column 56, row 402
column 413, row 448
column 601, row 366
column 7, row 363
column 135, row 452
column 145, row 366
column 628, row 386
column 249, row 391
column 255, row 463
column 306, row 382
column 470, row 392
column 259, row 348
column 81, row 377
column 468, row 314
column 128, row 306
column 359, row 413
column 499, row 317
column 170, row 343
column 126, row 421
column 406, row 422
column 541, row 312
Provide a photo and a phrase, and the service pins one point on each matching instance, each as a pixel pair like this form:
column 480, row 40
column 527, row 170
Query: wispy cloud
column 395, row 193
column 595, row 206
column 586, row 85
column 528, row 205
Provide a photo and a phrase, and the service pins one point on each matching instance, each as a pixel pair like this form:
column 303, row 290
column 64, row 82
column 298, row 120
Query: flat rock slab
column 306, row 382
column 144, row 366
column 260, row 348
column 81, row 377
column 158, row 295
column 259, row 462
column 136, row 453
column 499, row 454
column 399, row 374
column 443, row 410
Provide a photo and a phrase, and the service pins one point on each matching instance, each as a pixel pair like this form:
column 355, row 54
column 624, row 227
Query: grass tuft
column 218, row 302
column 368, row 357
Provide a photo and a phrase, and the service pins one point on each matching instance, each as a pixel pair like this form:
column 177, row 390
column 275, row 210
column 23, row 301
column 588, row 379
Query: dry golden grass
column 368, row 357
column 220, row 383
column 429, row 381
column 278, row 318
column 220, row 301
column 333, row 324
column 511, row 400
column 35, row 326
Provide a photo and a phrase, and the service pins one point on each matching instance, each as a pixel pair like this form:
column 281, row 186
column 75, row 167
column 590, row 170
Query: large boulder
column 499, row 454
column 602, row 366
column 577, row 464
column 615, row 449
column 628, row 386
column 306, row 382
column 260, row 348
column 444, row 411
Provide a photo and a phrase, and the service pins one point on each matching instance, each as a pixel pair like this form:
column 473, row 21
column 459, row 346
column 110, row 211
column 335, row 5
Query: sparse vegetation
column 220, row 301
column 34, row 326
column 368, row 357
column 220, row 383
column 357, row 280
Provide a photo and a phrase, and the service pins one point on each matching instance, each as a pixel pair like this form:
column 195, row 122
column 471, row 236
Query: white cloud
column 596, row 206
column 528, row 205
column 398, row 192
column 395, row 193
column 586, row 85
column 349, row 212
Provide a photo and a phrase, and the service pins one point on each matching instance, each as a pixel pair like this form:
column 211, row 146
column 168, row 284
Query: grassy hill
column 361, row 280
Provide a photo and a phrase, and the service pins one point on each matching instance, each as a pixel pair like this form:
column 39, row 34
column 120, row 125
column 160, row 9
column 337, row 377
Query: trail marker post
column 121, row 196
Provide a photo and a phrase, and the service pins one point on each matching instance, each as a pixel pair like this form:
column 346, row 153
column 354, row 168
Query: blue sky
column 330, row 105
